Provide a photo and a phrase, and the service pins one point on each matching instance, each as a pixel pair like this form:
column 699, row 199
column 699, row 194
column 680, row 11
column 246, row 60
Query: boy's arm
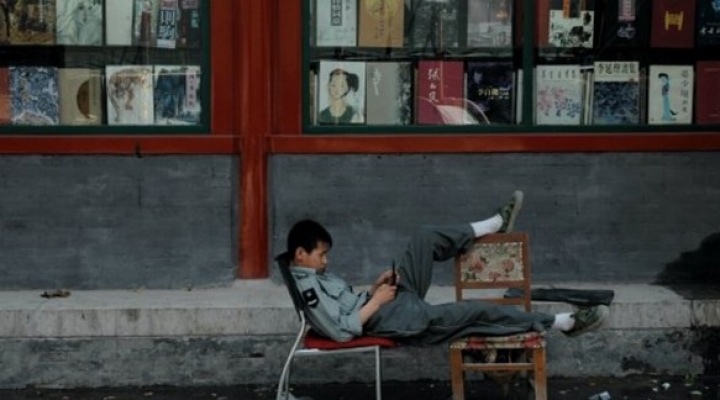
column 324, row 312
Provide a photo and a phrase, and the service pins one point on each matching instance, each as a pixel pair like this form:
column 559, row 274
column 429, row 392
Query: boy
column 396, row 308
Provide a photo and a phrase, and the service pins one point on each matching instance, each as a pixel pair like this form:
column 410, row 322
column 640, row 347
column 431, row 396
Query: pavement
column 640, row 387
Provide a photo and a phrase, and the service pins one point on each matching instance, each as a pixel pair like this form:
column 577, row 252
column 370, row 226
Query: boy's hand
column 384, row 279
column 384, row 294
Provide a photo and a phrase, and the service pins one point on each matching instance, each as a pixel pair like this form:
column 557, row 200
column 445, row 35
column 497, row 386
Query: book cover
column 129, row 91
column 79, row 22
column 32, row 21
column 34, row 95
column 389, row 93
column 382, row 23
column 558, row 95
column 433, row 24
column 490, row 91
column 177, row 95
column 489, row 23
column 673, row 23
column 4, row 24
column 189, row 26
column 341, row 93
column 168, row 18
column 670, row 94
column 145, row 22
column 336, row 23
column 708, row 87
column 708, row 23
column 571, row 23
column 81, row 96
column 5, row 109
column 119, row 23
column 542, row 24
column 616, row 93
column 440, row 94
column 623, row 23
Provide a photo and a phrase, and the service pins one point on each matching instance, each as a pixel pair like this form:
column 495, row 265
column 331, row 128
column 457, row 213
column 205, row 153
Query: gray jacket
column 333, row 306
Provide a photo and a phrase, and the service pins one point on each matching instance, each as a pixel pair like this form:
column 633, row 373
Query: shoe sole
column 517, row 205
column 604, row 313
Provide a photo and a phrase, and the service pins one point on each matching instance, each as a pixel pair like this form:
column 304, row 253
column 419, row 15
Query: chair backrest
column 496, row 261
column 283, row 262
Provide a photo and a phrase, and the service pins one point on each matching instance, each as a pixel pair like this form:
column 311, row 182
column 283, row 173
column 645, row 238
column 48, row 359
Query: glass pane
column 102, row 63
column 392, row 63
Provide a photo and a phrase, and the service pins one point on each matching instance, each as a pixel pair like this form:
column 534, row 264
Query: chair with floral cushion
column 493, row 264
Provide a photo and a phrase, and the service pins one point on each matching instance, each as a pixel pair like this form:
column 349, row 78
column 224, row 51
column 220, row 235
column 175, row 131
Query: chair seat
column 529, row 340
column 315, row 341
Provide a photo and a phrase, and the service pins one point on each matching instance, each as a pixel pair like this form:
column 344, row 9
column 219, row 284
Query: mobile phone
column 392, row 277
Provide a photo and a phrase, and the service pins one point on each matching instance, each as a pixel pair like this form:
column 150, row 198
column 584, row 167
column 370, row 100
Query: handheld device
column 392, row 278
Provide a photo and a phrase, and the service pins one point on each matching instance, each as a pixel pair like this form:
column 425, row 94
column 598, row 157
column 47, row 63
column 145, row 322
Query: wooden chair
column 309, row 343
column 496, row 262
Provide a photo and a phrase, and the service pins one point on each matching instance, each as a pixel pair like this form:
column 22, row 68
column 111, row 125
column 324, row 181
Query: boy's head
column 308, row 244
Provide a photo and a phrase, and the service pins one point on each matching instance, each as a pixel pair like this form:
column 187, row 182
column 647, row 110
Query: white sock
column 563, row 321
column 487, row 226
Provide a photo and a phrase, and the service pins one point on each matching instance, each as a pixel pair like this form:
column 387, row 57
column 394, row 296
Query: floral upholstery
column 492, row 262
column 530, row 340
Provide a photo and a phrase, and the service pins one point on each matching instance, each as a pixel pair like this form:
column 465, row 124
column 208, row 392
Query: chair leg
column 378, row 374
column 284, row 384
column 457, row 375
column 539, row 361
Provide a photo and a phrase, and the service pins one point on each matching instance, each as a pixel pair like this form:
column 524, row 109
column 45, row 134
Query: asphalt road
column 631, row 388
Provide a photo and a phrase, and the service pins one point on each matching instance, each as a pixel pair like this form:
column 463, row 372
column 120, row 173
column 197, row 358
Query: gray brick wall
column 117, row 222
column 591, row 217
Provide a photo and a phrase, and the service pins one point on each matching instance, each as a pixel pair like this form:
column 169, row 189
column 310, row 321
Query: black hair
column 662, row 74
column 307, row 234
column 353, row 81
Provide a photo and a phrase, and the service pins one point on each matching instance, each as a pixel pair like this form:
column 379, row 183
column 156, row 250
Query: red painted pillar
column 255, row 26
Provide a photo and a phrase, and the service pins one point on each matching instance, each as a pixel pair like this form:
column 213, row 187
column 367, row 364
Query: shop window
column 479, row 66
column 102, row 66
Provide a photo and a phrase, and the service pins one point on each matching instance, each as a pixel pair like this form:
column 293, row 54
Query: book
column 382, row 23
column 168, row 18
column 145, row 22
column 4, row 24
column 79, row 22
column 32, row 21
column 708, row 87
column 489, row 23
column 708, row 23
column 341, row 92
column 623, row 23
column 5, row 109
column 189, row 26
column 616, row 93
column 670, row 94
column 119, row 23
column 571, row 23
column 673, row 23
column 389, row 93
column 336, row 23
column 440, row 94
column 81, row 96
column 34, row 95
column 432, row 25
column 558, row 95
column 177, row 94
column 542, row 23
column 129, row 90
column 490, row 91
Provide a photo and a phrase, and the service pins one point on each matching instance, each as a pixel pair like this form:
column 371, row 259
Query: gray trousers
column 410, row 319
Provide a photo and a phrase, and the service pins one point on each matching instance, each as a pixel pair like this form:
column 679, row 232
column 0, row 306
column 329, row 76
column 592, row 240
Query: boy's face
column 316, row 259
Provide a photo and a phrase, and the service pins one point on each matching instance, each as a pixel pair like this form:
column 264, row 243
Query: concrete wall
column 117, row 222
column 592, row 217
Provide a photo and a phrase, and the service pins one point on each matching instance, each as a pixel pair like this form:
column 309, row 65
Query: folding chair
column 496, row 262
column 310, row 343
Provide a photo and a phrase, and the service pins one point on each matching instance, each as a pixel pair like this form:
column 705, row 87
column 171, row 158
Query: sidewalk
column 631, row 388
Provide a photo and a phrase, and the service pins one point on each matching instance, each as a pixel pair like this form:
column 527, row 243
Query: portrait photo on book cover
column 341, row 92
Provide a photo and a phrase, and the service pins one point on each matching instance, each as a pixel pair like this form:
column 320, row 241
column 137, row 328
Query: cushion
column 529, row 340
column 315, row 341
